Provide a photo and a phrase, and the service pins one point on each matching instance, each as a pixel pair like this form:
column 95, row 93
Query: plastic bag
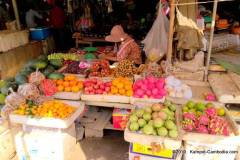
column 155, row 43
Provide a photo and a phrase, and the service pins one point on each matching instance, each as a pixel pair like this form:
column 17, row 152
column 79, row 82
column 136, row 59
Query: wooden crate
column 134, row 100
column 68, row 95
column 95, row 98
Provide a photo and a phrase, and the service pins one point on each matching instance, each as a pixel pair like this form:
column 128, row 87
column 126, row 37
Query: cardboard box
column 143, row 152
column 120, row 118
column 39, row 143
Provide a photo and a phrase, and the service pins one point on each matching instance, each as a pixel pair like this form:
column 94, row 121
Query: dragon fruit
column 218, row 125
column 203, row 119
column 210, row 97
column 188, row 125
column 48, row 87
column 201, row 128
column 211, row 112
column 189, row 115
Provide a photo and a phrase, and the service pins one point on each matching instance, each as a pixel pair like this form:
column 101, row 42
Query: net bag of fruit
column 155, row 43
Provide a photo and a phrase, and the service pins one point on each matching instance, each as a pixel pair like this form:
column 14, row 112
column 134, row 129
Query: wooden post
column 211, row 38
column 170, row 34
column 15, row 9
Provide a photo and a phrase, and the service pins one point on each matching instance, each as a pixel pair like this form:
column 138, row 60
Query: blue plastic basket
column 39, row 33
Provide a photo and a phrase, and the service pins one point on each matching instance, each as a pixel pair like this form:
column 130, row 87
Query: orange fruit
column 67, row 89
column 72, row 83
column 128, row 86
column 120, row 85
column 75, row 89
column 65, row 84
column 129, row 93
column 70, row 78
column 121, row 91
column 114, row 90
column 60, row 88
column 59, row 82
column 115, row 82
column 80, row 85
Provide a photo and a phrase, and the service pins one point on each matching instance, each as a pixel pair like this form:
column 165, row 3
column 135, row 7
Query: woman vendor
column 128, row 48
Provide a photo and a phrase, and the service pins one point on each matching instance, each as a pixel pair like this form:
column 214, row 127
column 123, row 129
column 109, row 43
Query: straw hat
column 117, row 34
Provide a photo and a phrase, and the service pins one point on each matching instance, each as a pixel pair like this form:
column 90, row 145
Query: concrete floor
column 111, row 147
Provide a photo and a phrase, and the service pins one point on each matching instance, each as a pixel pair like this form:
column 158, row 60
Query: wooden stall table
column 85, row 40
column 11, row 61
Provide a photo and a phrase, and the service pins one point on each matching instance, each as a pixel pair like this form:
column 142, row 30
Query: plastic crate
column 39, row 33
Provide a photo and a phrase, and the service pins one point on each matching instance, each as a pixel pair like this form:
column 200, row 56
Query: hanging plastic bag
column 155, row 43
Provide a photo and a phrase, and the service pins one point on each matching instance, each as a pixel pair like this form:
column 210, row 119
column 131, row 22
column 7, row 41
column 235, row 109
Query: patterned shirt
column 130, row 50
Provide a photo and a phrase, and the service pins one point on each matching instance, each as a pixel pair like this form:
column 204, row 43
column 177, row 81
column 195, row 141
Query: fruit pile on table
column 69, row 83
column 205, row 118
column 55, row 109
column 157, row 119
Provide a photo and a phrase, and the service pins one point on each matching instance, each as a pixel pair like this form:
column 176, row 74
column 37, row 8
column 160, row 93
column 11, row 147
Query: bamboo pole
column 211, row 38
column 15, row 9
column 170, row 34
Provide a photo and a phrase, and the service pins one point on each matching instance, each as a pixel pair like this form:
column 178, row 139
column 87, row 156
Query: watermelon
column 40, row 64
column 57, row 63
column 2, row 98
column 4, row 90
column 48, row 70
column 55, row 76
column 2, row 83
column 26, row 71
column 20, row 79
column 89, row 56
column 43, row 58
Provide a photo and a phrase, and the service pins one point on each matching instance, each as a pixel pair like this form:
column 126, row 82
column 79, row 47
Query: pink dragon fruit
column 188, row 125
column 203, row 119
column 210, row 97
column 201, row 129
column 189, row 115
column 218, row 125
column 225, row 131
column 211, row 112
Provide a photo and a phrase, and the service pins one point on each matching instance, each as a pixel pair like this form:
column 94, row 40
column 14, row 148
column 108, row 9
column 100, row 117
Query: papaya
column 57, row 63
column 55, row 76
column 20, row 79
column 48, row 70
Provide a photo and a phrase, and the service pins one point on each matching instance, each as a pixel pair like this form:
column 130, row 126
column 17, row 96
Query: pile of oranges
column 70, row 83
column 122, row 86
column 54, row 109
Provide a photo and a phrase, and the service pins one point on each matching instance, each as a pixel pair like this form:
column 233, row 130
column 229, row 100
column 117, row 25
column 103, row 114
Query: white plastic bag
column 155, row 43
